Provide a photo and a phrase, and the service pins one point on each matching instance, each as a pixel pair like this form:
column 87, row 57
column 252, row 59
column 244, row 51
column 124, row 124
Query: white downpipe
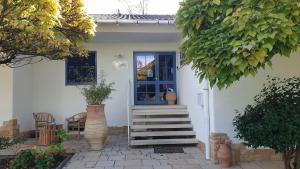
column 207, row 119
column 129, row 111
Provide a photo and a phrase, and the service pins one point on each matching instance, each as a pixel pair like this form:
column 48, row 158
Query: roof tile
column 102, row 18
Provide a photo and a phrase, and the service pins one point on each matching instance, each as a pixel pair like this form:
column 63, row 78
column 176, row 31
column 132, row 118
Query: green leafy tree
column 274, row 120
column 228, row 39
column 53, row 29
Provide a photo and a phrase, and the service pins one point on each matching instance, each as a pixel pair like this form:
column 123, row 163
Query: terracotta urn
column 95, row 127
column 171, row 98
column 224, row 154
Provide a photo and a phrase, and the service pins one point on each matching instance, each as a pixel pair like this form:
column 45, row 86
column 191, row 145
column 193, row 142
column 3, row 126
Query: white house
column 145, row 43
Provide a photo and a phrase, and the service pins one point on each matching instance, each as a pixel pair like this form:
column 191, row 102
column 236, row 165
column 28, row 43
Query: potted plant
column 95, row 126
column 171, row 96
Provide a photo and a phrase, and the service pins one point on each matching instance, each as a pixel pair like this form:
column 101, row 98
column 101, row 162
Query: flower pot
column 171, row 98
column 95, row 127
column 224, row 154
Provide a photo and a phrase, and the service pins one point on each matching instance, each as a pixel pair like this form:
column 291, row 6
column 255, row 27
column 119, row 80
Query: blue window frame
column 154, row 74
column 80, row 70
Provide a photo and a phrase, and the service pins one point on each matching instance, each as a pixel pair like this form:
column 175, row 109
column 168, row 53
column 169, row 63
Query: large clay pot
column 95, row 127
column 171, row 98
column 224, row 154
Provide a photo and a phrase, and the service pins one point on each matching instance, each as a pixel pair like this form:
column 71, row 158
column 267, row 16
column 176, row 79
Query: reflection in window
column 166, row 68
column 80, row 70
column 146, row 68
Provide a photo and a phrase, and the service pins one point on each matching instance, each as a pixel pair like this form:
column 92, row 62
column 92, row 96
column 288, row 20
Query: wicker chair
column 42, row 121
column 77, row 123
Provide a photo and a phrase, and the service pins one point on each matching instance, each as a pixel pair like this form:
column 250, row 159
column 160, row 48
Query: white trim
column 168, row 22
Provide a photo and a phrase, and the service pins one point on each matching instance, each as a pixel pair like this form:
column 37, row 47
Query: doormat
column 167, row 149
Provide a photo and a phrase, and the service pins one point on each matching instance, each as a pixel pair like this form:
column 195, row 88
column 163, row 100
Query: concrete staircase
column 158, row 125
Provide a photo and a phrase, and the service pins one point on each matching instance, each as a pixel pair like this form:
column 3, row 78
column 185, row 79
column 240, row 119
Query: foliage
column 43, row 159
column 48, row 28
column 23, row 160
column 61, row 135
column 33, row 158
column 274, row 119
column 57, row 150
column 228, row 39
column 6, row 142
column 95, row 93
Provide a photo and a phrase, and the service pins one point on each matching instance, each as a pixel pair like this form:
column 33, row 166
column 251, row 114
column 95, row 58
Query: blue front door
column 154, row 74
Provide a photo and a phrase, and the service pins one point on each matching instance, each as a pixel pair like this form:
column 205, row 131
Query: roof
column 129, row 18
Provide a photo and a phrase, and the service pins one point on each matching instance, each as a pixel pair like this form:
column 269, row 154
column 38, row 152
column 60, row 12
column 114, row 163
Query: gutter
column 164, row 22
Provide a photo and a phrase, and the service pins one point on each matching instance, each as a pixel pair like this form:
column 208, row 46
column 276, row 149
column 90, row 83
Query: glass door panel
column 155, row 74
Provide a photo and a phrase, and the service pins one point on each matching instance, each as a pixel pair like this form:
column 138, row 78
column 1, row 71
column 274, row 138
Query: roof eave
column 167, row 22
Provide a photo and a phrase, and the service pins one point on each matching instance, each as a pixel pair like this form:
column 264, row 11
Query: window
column 80, row 71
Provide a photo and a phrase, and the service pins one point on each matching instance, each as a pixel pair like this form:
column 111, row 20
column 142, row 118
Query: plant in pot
column 95, row 126
column 171, row 96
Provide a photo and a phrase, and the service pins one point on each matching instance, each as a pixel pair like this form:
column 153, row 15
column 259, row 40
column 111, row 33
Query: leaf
column 287, row 31
column 229, row 11
column 242, row 67
column 260, row 55
column 253, row 61
column 262, row 36
column 216, row 2
column 210, row 12
column 268, row 46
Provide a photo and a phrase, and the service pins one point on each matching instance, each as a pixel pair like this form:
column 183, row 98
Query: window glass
column 80, row 71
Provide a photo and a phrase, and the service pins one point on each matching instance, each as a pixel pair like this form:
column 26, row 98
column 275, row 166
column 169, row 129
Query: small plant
column 96, row 93
column 43, row 159
column 58, row 151
column 6, row 142
column 23, row 160
column 33, row 158
column 56, row 148
column 62, row 135
column 274, row 120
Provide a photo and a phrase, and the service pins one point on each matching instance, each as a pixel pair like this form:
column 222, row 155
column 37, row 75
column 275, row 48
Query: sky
column 112, row 6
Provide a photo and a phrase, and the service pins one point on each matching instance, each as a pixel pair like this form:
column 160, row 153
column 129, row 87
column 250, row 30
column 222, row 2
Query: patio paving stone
column 117, row 155
column 105, row 163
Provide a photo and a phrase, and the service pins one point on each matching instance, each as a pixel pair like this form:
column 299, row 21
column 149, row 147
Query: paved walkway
column 117, row 155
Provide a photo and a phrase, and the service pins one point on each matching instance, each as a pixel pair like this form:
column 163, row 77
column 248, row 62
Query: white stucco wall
column 189, row 90
column 6, row 92
column 50, row 94
column 23, row 97
column 242, row 93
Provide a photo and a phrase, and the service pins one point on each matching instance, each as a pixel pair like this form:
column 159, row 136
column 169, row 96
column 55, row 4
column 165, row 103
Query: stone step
column 184, row 119
column 163, row 141
column 162, row 133
column 158, row 112
column 153, row 107
column 161, row 126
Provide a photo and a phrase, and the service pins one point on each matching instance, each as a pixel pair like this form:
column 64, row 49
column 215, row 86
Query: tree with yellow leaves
column 53, row 29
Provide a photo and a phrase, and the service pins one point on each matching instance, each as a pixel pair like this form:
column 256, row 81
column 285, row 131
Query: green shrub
column 6, row 142
column 96, row 93
column 23, row 160
column 57, row 150
column 34, row 159
column 43, row 159
column 274, row 120
column 62, row 135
